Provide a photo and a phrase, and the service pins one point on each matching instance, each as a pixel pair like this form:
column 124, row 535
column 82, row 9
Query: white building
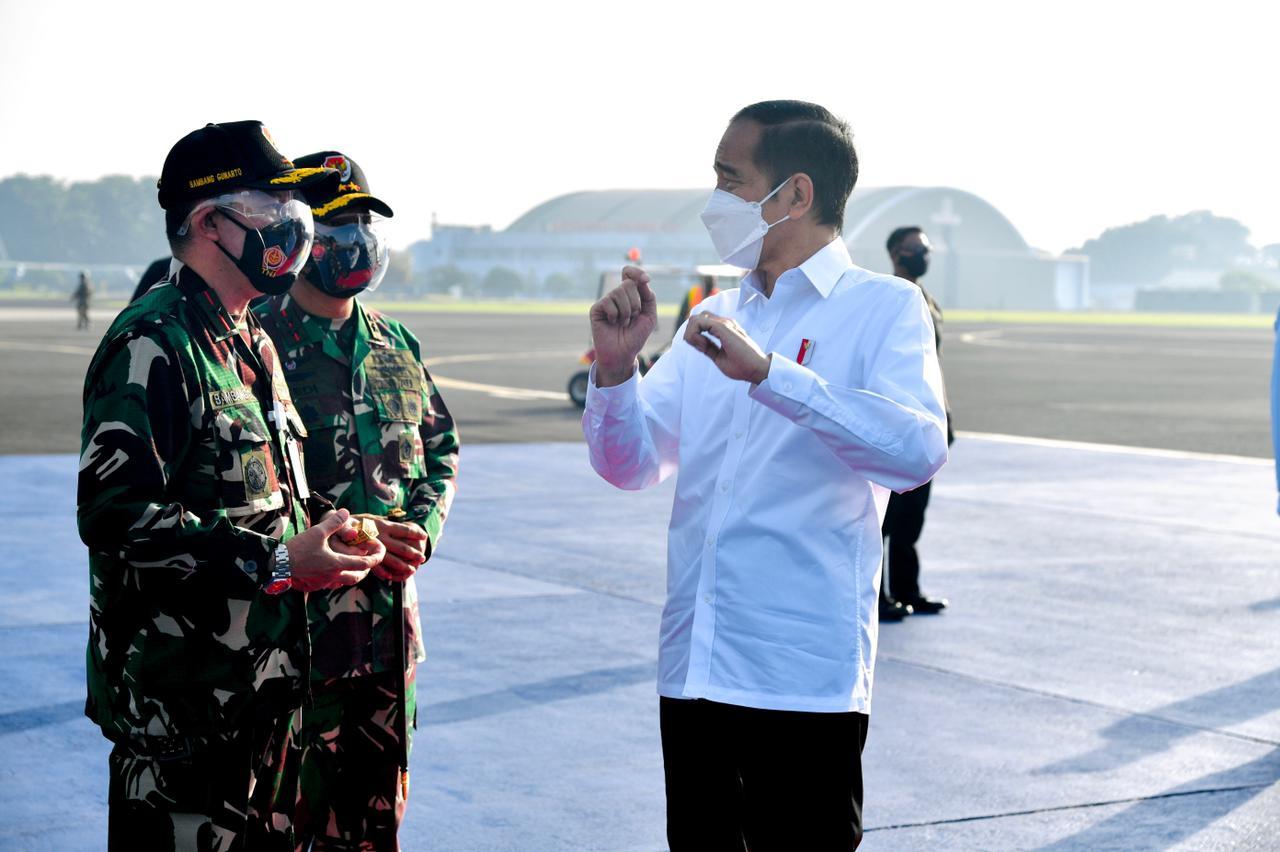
column 980, row 260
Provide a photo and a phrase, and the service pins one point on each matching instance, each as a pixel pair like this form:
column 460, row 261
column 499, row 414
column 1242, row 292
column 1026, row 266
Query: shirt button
column 710, row 541
column 786, row 386
column 738, row 434
column 706, row 598
column 724, row 487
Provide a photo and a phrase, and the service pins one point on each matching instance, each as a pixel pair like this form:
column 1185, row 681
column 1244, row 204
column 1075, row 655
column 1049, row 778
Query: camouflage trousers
column 234, row 792
column 351, row 794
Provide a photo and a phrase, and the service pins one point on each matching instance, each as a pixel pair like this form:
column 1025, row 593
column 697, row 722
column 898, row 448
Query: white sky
column 1068, row 116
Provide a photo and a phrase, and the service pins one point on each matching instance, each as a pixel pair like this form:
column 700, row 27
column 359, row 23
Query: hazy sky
column 1069, row 117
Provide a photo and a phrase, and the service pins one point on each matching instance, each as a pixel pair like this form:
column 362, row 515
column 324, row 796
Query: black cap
column 351, row 193
column 234, row 155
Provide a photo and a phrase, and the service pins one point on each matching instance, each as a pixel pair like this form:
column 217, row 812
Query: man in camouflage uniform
column 194, row 506
column 381, row 444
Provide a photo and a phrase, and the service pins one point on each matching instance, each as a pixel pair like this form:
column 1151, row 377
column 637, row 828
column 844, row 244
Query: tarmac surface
column 1106, row 677
column 504, row 378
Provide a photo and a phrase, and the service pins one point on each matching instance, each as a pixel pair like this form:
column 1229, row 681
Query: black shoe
column 927, row 606
column 891, row 610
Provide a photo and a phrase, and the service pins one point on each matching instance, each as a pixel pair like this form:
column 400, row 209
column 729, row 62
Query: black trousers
column 903, row 523
column 739, row 778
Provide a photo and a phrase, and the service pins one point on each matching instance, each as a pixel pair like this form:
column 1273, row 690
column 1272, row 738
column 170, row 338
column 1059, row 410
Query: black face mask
column 268, row 251
column 915, row 264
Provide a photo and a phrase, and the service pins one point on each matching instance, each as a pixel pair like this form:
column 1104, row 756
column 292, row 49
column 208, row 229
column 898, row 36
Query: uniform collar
column 206, row 300
column 822, row 270
column 304, row 329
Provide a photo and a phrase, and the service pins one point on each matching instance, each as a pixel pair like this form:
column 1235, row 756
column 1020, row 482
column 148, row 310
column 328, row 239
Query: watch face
column 279, row 586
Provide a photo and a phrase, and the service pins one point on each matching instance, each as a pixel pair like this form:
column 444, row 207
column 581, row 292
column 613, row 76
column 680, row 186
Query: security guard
column 195, row 508
column 909, row 249
column 381, row 444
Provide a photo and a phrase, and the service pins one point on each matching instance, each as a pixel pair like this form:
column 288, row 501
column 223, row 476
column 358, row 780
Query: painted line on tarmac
column 501, row 356
column 57, row 348
column 1119, row 449
column 500, row 391
column 54, row 314
column 996, row 339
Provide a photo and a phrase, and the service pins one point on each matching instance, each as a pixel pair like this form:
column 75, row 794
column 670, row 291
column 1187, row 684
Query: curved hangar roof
column 869, row 216
column 616, row 210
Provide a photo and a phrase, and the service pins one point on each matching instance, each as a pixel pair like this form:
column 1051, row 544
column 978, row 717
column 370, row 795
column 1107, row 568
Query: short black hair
column 899, row 235
column 803, row 137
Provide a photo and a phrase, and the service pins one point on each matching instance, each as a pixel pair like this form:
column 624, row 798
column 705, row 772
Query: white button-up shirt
column 773, row 550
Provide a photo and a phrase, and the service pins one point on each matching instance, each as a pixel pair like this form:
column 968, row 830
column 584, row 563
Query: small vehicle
column 692, row 283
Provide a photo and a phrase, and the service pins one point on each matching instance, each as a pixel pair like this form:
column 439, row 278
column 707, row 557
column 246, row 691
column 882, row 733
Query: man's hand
column 321, row 560
column 406, row 546
column 737, row 356
column 621, row 322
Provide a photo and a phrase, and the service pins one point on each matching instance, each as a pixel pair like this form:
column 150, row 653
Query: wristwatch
column 281, row 572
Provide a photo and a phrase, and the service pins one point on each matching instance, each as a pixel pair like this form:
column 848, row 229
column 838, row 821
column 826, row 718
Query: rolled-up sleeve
column 633, row 429
column 894, row 430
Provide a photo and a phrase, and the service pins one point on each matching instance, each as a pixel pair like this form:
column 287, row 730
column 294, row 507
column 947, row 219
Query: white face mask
column 737, row 227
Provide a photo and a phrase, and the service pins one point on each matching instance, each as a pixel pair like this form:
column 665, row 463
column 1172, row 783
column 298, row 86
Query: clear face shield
column 348, row 257
column 278, row 227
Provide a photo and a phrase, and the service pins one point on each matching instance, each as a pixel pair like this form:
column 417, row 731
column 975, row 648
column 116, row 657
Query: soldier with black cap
column 382, row 444
column 195, row 506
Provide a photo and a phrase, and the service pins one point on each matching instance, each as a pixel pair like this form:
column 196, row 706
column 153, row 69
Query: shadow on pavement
column 1135, row 737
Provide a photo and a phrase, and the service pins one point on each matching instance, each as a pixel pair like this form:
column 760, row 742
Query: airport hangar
column 980, row 260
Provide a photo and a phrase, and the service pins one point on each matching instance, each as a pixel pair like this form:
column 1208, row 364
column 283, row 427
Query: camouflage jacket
column 185, row 490
column 380, row 439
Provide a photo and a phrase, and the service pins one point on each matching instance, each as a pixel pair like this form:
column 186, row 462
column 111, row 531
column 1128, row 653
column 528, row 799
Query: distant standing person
column 904, row 520
column 81, row 298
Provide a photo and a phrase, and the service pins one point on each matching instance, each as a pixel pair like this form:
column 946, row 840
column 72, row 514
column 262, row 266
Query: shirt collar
column 207, row 303
column 823, row 270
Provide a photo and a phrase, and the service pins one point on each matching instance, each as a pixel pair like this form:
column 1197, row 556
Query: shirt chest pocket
column 247, row 479
column 331, row 456
column 397, row 394
column 828, row 356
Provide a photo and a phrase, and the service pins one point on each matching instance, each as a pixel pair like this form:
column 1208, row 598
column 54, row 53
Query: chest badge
column 805, row 355
column 406, row 446
column 257, row 482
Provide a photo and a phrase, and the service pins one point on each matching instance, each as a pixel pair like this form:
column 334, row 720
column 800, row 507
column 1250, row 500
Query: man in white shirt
column 788, row 408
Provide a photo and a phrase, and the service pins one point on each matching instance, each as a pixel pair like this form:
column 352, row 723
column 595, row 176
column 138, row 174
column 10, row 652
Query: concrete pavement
column 1107, row 676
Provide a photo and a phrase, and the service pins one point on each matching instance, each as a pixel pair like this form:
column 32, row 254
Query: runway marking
column 995, row 339
column 1120, row 449
column 58, row 348
column 67, row 314
column 502, row 356
column 501, row 391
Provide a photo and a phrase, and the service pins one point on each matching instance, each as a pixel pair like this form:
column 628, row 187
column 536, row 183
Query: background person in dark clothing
column 81, row 296
column 156, row 272
column 904, row 520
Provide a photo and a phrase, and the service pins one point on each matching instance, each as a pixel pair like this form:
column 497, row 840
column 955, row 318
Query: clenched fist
column 621, row 322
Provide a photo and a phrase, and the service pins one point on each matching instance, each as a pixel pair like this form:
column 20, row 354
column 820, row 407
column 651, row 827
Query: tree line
column 116, row 220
